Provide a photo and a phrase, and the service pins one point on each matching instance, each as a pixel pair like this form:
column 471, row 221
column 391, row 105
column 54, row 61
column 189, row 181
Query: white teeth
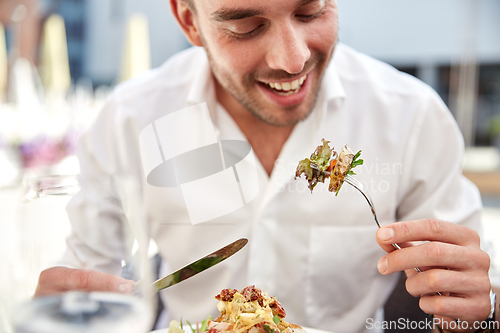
column 287, row 93
column 288, row 86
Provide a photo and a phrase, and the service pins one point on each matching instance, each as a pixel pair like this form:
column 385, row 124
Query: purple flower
column 43, row 150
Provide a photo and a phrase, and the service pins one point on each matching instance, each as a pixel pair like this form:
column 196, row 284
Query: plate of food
column 247, row 311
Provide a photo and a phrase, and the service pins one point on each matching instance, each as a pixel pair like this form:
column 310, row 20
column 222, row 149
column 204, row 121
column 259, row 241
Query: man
column 267, row 75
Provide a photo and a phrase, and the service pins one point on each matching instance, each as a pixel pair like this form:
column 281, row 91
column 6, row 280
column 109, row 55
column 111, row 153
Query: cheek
column 325, row 43
column 324, row 39
column 238, row 58
column 323, row 35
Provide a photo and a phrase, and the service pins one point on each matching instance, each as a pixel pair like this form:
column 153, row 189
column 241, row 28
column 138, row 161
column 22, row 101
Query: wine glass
column 77, row 311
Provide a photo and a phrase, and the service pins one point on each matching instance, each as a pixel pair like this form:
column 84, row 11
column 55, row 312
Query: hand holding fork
column 456, row 265
column 455, row 283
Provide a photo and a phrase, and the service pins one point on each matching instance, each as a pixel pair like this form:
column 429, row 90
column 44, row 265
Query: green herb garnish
column 204, row 324
column 191, row 326
column 268, row 329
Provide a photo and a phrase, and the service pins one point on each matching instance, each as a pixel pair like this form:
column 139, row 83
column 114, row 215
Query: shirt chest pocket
column 341, row 270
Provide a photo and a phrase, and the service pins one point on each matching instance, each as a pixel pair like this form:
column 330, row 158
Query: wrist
column 496, row 316
column 490, row 325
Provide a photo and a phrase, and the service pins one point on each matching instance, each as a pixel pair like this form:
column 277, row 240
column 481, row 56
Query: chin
column 289, row 116
column 281, row 118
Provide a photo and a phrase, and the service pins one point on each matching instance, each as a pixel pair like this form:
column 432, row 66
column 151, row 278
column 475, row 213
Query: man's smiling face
column 268, row 56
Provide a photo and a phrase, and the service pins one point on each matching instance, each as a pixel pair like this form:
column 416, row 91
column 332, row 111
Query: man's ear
column 185, row 17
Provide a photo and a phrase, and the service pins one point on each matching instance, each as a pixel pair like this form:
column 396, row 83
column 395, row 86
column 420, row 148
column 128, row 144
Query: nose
column 288, row 50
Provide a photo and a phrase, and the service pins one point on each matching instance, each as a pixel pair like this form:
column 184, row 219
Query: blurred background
column 59, row 59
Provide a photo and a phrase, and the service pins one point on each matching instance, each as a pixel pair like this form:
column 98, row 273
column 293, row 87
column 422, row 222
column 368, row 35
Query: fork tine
column 354, row 180
column 351, row 178
column 358, row 186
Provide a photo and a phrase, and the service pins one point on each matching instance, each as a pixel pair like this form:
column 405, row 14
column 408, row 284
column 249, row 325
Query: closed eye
column 247, row 35
column 308, row 18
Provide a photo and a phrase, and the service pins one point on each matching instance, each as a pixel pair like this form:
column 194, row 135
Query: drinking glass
column 78, row 311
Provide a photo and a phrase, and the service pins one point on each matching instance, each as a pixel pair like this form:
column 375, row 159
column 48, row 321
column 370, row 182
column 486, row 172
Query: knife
column 199, row 265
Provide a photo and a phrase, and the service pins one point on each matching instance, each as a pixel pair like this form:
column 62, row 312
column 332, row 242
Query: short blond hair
column 190, row 4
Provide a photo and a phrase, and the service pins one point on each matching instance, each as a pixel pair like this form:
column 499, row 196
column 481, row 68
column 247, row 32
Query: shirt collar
column 332, row 84
column 303, row 137
column 331, row 90
column 202, row 83
column 202, row 88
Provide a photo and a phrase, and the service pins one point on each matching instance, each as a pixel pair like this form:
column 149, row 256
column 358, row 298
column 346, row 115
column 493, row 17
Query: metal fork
column 358, row 186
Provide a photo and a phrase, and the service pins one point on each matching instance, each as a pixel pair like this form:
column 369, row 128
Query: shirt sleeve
column 432, row 183
column 97, row 240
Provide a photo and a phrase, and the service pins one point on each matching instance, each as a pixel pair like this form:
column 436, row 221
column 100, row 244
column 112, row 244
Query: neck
column 266, row 140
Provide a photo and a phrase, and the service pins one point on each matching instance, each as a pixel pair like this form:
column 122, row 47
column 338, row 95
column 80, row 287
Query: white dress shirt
column 317, row 252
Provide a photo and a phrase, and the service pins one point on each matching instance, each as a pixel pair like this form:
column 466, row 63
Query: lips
column 288, row 88
column 287, row 93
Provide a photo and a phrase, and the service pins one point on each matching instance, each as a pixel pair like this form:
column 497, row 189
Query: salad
column 324, row 163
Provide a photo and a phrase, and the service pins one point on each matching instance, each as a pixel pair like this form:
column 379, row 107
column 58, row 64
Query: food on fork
column 324, row 163
column 250, row 311
column 341, row 168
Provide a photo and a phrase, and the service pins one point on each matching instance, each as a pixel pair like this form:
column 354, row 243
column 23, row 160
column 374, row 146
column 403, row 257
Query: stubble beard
column 293, row 113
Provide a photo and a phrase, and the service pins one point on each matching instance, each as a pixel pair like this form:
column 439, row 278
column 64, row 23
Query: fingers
column 464, row 309
column 441, row 280
column 60, row 279
column 434, row 254
column 89, row 280
column 427, row 230
column 451, row 262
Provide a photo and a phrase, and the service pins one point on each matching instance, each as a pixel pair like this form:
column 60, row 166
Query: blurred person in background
column 273, row 73
column 24, row 18
column 23, row 21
